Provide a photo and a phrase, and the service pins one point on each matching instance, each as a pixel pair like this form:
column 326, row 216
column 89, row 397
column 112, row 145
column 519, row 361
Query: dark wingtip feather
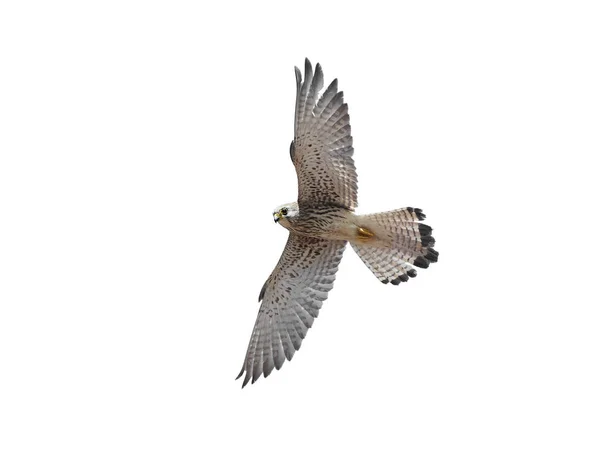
column 241, row 373
column 307, row 68
column 338, row 99
column 317, row 83
column 334, row 84
column 279, row 362
column 298, row 75
column 412, row 273
column 246, row 379
column 401, row 279
column 386, row 281
column 427, row 241
column 417, row 212
column 424, row 230
column 432, row 255
column 264, row 288
column 421, row 262
column 318, row 72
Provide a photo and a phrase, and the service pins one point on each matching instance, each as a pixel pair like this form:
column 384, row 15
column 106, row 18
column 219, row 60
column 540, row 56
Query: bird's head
column 285, row 214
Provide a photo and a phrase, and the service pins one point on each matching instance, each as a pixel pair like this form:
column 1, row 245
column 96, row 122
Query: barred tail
column 391, row 243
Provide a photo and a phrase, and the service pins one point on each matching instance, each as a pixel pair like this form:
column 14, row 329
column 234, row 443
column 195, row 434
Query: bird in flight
column 320, row 223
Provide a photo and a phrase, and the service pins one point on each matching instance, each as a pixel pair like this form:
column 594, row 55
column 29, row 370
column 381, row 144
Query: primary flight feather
column 320, row 223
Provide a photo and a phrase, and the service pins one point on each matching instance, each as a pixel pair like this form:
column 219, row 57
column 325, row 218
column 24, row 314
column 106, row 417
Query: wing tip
column 246, row 379
column 319, row 71
column 421, row 262
column 261, row 295
column 298, row 75
column 241, row 373
column 307, row 65
column 418, row 212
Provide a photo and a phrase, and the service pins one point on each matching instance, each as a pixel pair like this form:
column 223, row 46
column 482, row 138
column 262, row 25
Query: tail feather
column 399, row 242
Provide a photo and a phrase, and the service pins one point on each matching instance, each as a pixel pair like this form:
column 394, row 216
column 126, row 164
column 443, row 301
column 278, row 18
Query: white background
column 143, row 148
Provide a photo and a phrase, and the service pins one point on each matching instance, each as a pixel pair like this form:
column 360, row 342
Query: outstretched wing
column 291, row 299
column 322, row 147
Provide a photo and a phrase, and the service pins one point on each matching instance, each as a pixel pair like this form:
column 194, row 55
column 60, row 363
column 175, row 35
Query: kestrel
column 320, row 224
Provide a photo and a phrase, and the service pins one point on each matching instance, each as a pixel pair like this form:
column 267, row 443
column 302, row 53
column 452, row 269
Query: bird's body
column 320, row 223
column 336, row 223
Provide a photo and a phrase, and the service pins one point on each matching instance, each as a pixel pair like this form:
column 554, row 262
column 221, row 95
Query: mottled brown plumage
column 321, row 222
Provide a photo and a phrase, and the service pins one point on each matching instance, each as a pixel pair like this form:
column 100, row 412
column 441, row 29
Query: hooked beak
column 276, row 217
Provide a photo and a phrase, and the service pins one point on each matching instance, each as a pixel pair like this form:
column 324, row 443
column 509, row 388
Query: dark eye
column 284, row 211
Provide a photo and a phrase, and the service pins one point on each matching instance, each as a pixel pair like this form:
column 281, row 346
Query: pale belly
column 334, row 225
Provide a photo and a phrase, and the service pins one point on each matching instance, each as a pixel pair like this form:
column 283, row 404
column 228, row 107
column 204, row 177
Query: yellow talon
column 364, row 234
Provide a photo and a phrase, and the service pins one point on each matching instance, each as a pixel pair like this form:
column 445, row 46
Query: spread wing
column 291, row 299
column 322, row 147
